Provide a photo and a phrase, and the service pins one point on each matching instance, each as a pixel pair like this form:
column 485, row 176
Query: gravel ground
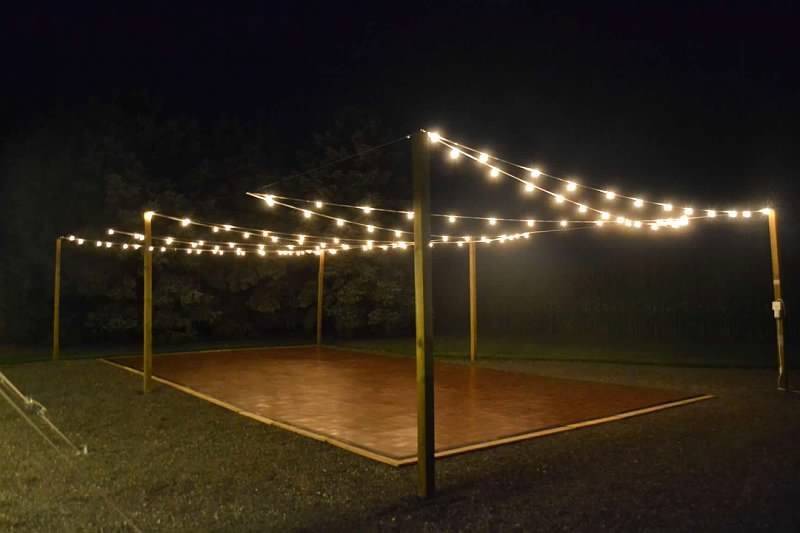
column 172, row 462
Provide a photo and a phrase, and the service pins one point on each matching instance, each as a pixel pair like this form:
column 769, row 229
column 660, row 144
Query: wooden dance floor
column 366, row 403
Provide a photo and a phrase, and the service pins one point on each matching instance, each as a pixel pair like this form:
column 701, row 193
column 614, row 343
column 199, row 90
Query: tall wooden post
column 57, row 303
column 778, row 308
column 147, row 349
column 426, row 472
column 320, row 294
column 473, row 304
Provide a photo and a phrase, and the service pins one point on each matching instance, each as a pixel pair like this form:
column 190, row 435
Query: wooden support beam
column 147, row 321
column 473, row 304
column 320, row 295
column 57, row 303
column 779, row 312
column 426, row 472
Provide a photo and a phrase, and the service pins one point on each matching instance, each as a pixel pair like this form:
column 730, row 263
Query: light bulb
column 582, row 209
column 747, row 214
column 733, row 214
column 563, row 223
column 185, row 222
column 270, row 199
column 605, row 216
column 494, row 172
column 339, row 222
column 370, row 228
column 454, row 153
column 274, row 238
column 535, row 173
column 483, row 158
column 445, row 238
column 610, row 195
column 667, row 207
column 398, row 233
column 688, row 211
column 559, row 199
column 531, row 223
column 80, row 241
column 169, row 240
column 215, row 229
column 492, row 221
column 530, row 187
column 410, row 215
column 367, row 209
column 638, row 202
column 571, row 186
column 637, row 224
column 451, row 219
column 711, row 213
column 318, row 204
column 306, row 213
column 434, row 136
column 227, row 227
column 110, row 231
column 246, row 234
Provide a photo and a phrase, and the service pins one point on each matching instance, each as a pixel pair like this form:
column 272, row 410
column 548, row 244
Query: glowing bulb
column 306, row 213
column 688, row 211
column 370, row 228
column 492, row 221
column 599, row 222
column 246, row 234
column 270, row 199
column 71, row 237
column 227, row 227
column 398, row 233
column 454, row 153
column 484, row 238
column 318, row 204
column 628, row 223
column 638, row 202
column 323, row 245
column 605, row 216
column 654, row 227
column 637, row 224
column 467, row 238
column 620, row 220
column 711, row 213
column 445, row 238
column 765, row 211
column 571, row 186
column 483, row 158
column 215, row 229
column 345, row 247
column 110, row 231
column 262, row 253
column 434, row 136
column 733, row 214
column 451, row 219
column 610, row 195
column 410, row 215
column 98, row 244
column 530, row 187
column 125, row 246
column 339, row 222
column 367, row 209
column 563, row 223
column 667, row 207
column 301, row 239
column 230, row 245
column 148, row 215
column 460, row 244
column 582, row 209
column 531, row 223
column 494, row 172
column 535, row 173
column 332, row 252
column 746, row 214
column 80, row 241
column 169, row 240
column 274, row 238
column 559, row 199
column 163, row 249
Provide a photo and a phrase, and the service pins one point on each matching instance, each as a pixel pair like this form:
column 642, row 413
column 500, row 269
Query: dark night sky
column 696, row 101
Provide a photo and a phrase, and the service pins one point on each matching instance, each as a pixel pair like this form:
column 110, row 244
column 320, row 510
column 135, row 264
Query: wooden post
column 783, row 378
column 57, row 303
column 147, row 349
column 473, row 304
column 320, row 294
column 426, row 472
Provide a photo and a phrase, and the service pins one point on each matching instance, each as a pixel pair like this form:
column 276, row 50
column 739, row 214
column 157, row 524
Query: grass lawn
column 173, row 462
column 729, row 355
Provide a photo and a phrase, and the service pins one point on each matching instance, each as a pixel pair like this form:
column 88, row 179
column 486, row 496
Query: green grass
column 741, row 355
column 711, row 355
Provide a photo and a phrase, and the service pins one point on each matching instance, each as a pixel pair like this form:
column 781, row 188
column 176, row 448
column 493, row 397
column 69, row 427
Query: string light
column 451, row 219
column 454, row 153
column 571, row 186
column 638, row 202
column 185, row 222
column 667, row 207
column 318, row 204
column 530, row 187
column 535, row 173
column 494, row 172
column 610, row 195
